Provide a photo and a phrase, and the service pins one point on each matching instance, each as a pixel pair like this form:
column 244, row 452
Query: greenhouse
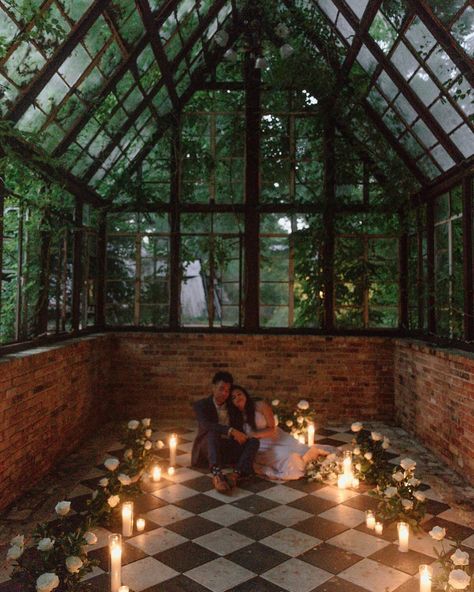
column 201, row 194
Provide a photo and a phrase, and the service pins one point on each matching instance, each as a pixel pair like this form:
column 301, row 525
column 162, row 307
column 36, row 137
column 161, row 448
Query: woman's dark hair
column 249, row 408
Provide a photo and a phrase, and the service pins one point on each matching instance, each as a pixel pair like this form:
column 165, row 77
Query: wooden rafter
column 52, row 66
column 444, row 38
column 158, row 51
column 405, row 88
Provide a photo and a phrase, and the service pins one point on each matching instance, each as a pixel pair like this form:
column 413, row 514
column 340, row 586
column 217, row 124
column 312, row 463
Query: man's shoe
column 220, row 483
column 233, row 478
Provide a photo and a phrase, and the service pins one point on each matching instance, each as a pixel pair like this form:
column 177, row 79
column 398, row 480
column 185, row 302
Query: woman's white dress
column 278, row 457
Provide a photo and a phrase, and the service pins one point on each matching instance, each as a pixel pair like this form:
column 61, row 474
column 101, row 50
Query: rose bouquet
column 296, row 421
column 369, row 461
column 138, row 446
column 324, row 469
column 454, row 571
column 57, row 556
column 399, row 496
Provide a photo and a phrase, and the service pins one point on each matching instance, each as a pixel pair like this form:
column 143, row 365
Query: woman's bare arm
column 267, row 412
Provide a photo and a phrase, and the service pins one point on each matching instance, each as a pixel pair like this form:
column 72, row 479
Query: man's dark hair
column 223, row 377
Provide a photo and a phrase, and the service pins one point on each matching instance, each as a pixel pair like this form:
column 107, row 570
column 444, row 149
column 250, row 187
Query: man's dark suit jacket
column 206, row 414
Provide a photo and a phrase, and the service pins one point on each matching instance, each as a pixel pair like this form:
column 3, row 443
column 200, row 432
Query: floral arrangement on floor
column 368, row 450
column 324, row 469
column 56, row 556
column 295, row 421
column 399, row 496
column 454, row 572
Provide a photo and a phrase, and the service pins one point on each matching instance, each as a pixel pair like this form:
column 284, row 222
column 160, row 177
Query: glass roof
column 94, row 83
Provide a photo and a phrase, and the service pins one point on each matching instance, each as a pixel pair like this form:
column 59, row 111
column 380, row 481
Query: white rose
column 368, row 455
column 275, row 402
column 460, row 557
column 407, row 504
column 437, row 533
column 390, row 491
column 18, row 540
column 124, row 479
column 47, row 582
column 113, row 500
column 15, row 552
column 282, row 30
column 146, row 422
column 90, row 538
column 62, row 508
column 303, row 405
column 398, row 476
column 160, row 444
column 357, row 451
column 133, row 424
column 289, row 423
column 358, row 466
column 148, row 433
column 128, row 454
column 73, row 564
column 459, row 579
column 407, row 464
column 356, row 426
column 413, row 482
column 300, row 419
column 111, row 463
column 420, row 496
column 45, row 544
column 104, row 482
column 331, row 457
column 386, row 443
column 376, row 436
column 147, row 445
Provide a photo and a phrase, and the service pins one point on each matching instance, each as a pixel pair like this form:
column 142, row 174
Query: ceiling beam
column 160, row 55
column 52, row 65
column 444, row 38
column 405, row 88
column 35, row 159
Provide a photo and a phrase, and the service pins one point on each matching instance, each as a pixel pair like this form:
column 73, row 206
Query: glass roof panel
column 446, row 115
column 358, row 6
column 404, row 61
column 405, row 109
column 75, row 65
column 445, row 10
column 8, row 93
column 367, row 60
column 97, row 36
column 8, row 29
column 442, row 66
column 424, row 87
column 32, row 120
column 420, row 38
column 52, row 94
column 24, row 63
column 464, row 140
column 76, row 8
column 430, row 169
column 386, row 84
column 424, row 133
column 463, row 30
column 382, row 32
column 442, row 158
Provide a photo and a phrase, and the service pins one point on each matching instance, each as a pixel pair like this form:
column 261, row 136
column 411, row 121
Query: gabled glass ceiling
column 84, row 75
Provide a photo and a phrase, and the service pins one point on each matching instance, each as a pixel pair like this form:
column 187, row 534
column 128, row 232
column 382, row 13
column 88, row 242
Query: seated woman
column 279, row 456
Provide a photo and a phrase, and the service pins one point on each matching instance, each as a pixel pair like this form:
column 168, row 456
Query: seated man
column 220, row 439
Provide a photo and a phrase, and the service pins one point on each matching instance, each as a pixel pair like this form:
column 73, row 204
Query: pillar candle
column 115, row 548
column 342, row 481
column 378, row 528
column 124, row 589
column 171, row 471
column 403, row 535
column 311, row 434
column 347, row 463
column 173, row 442
column 156, row 473
column 370, row 519
column 426, row 572
column 127, row 519
column 141, row 525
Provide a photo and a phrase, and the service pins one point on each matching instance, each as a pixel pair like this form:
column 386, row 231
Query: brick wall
column 50, row 399
column 162, row 374
column 434, row 401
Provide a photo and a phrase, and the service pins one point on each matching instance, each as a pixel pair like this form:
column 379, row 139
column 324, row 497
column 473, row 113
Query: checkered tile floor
column 265, row 537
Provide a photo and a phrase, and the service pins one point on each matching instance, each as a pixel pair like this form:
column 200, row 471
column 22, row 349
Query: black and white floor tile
column 264, row 537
